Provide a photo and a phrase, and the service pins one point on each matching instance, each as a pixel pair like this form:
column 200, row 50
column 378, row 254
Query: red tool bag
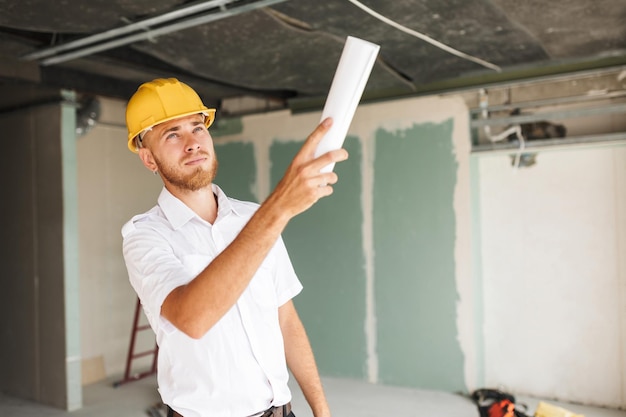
column 495, row 403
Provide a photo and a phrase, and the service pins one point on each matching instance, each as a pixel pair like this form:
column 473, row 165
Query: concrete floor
column 347, row 399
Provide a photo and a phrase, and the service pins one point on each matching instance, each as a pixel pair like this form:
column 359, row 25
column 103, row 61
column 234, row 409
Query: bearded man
column 212, row 273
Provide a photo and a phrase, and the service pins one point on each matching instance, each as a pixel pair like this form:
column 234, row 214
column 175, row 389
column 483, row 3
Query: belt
column 280, row 411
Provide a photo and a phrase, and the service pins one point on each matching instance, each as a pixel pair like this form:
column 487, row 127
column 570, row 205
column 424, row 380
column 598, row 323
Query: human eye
column 171, row 136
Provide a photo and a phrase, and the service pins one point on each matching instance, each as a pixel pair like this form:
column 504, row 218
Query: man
column 212, row 273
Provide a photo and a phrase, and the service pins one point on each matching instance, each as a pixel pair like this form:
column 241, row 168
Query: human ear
column 148, row 159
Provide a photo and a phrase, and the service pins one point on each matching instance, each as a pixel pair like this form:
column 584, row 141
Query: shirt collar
column 178, row 213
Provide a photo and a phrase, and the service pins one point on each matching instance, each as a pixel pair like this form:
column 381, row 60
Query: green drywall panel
column 325, row 246
column 236, row 174
column 414, row 268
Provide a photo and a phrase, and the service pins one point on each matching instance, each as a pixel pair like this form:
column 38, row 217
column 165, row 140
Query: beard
column 197, row 179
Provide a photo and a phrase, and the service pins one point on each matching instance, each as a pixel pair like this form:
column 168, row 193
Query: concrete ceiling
column 287, row 51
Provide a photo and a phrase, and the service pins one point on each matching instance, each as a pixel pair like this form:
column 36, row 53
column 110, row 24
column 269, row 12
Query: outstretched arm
column 195, row 307
column 300, row 359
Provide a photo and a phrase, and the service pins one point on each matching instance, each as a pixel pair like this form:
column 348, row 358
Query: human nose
column 191, row 143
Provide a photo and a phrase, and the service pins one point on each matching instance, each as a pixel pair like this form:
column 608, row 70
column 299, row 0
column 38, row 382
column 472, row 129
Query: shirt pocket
column 196, row 263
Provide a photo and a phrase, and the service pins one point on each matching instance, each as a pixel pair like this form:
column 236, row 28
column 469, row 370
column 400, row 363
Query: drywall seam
column 367, row 193
column 261, row 189
column 462, row 245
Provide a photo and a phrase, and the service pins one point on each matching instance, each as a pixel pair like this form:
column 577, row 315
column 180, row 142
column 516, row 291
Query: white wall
column 113, row 186
column 553, row 274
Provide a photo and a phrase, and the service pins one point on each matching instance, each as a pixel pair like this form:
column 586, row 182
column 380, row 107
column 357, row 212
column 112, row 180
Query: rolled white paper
column 353, row 71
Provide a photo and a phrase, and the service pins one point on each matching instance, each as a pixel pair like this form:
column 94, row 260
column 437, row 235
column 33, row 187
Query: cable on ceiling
column 426, row 38
column 300, row 26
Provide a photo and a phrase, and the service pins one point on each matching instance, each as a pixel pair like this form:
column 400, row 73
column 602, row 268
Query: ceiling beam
column 146, row 33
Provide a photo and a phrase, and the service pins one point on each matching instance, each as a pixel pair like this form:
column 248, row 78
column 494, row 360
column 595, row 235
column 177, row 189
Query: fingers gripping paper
column 353, row 71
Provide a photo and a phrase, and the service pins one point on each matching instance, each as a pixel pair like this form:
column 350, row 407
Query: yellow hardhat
column 159, row 101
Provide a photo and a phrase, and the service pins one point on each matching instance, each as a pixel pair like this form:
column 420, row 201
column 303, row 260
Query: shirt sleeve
column 153, row 270
column 286, row 281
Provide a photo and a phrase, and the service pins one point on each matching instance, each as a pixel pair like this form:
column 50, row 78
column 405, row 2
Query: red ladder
column 132, row 355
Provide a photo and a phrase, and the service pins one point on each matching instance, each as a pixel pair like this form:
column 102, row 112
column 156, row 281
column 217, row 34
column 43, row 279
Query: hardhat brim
column 208, row 121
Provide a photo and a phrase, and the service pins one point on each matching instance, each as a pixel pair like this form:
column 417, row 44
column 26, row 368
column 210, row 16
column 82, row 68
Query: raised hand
column 303, row 184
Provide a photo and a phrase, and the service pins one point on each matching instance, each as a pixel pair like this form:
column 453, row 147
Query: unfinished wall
column 377, row 304
column 406, row 283
column 359, row 305
column 39, row 312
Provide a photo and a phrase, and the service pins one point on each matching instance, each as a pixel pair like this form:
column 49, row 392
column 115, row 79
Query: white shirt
column 238, row 367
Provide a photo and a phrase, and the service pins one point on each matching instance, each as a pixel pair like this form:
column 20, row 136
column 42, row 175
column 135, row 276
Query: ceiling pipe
column 152, row 33
column 141, row 25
